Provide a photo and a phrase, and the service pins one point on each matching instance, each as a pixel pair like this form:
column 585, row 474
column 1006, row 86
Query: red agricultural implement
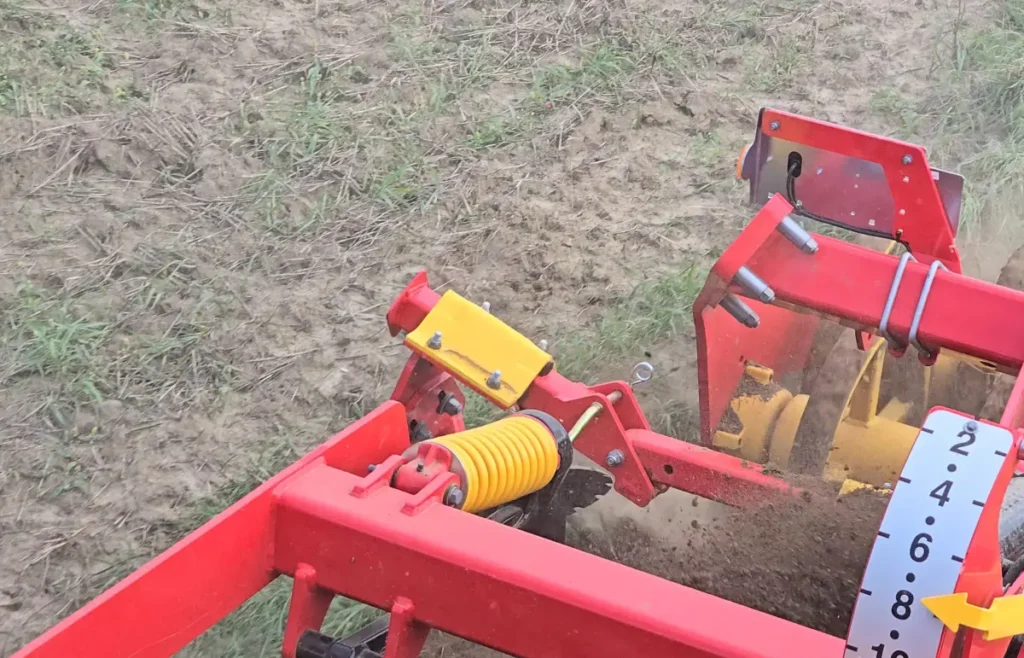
column 461, row 529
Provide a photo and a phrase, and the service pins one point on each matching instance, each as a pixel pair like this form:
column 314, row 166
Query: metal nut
column 451, row 406
column 907, row 159
column 615, row 458
column 775, row 125
column 435, row 341
column 971, row 426
column 494, row 381
column 454, row 497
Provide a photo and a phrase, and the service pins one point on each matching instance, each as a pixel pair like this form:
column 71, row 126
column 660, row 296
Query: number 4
column 941, row 492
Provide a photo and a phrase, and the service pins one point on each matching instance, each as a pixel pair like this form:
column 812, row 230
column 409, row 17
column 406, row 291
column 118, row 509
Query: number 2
column 958, row 448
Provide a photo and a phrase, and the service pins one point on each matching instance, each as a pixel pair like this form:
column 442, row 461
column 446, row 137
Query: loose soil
column 800, row 558
column 209, row 205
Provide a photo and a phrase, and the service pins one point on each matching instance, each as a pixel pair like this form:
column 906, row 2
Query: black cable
column 798, row 208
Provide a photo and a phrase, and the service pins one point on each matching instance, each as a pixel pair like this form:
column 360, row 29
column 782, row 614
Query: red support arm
column 343, row 533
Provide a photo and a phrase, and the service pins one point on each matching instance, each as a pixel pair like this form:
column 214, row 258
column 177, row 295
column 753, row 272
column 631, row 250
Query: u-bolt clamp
column 898, row 346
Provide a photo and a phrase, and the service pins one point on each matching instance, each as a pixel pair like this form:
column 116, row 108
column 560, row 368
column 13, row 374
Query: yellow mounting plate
column 475, row 344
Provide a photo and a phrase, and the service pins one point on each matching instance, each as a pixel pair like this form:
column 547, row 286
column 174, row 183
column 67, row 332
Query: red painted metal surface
column 421, row 389
column 340, row 532
column 920, row 220
column 709, row 474
column 781, row 341
column 171, row 600
column 511, row 590
column 567, row 400
column 851, row 284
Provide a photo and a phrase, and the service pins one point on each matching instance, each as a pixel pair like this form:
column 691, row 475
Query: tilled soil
column 800, row 559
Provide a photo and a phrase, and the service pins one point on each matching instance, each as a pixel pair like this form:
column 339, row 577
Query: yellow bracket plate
column 475, row 344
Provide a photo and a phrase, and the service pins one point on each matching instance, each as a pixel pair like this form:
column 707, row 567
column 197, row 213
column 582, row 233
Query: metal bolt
column 971, row 426
column 775, row 125
column 753, row 284
column 420, row 432
column 907, row 159
column 435, row 341
column 454, row 497
column 451, row 406
column 615, row 458
column 494, row 381
column 738, row 309
column 797, row 235
column 371, row 468
column 486, row 306
column 543, row 344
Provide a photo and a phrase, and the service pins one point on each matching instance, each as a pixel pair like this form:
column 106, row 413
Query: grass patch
column 45, row 336
column 48, row 66
column 654, row 310
column 975, row 120
column 601, row 70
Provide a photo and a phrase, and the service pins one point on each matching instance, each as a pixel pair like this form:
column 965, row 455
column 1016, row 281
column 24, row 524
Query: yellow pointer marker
column 1004, row 618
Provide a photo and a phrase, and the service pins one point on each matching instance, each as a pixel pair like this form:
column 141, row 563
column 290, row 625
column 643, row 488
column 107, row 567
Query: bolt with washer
column 451, row 405
column 494, row 381
column 435, row 341
column 454, row 497
column 615, row 458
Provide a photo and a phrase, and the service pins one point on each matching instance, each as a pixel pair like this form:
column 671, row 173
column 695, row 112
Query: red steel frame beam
column 437, row 565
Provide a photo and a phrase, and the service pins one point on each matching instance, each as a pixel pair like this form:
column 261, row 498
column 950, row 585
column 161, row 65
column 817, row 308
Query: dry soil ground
column 208, row 205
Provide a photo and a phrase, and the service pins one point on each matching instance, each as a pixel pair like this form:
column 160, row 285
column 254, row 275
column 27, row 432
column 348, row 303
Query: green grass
column 600, row 70
column 653, row 311
column 974, row 122
column 46, row 336
column 48, row 66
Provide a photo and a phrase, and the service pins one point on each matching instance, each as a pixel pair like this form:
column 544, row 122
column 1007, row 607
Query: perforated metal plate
column 924, row 536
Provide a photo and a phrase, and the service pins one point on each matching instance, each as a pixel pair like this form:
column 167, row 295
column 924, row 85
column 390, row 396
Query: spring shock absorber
column 496, row 463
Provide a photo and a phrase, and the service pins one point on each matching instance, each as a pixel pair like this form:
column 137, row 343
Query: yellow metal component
column 503, row 461
column 1004, row 618
column 850, row 486
column 869, row 444
column 759, row 374
column 755, row 416
column 474, row 345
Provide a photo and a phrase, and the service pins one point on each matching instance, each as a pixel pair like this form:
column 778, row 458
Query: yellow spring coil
column 503, row 460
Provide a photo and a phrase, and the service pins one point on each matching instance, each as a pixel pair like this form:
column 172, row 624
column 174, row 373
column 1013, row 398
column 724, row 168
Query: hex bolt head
column 494, row 381
column 775, row 125
column 615, row 458
column 435, row 341
column 451, row 406
column 907, row 159
column 971, row 426
column 454, row 497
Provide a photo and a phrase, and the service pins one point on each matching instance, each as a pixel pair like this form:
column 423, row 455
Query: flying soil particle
column 800, row 559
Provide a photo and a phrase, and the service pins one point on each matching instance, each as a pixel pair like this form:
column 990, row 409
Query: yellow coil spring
column 503, row 460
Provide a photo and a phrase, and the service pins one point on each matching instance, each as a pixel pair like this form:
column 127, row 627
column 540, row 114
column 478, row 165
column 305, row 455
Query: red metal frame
column 922, row 225
column 337, row 532
column 340, row 528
